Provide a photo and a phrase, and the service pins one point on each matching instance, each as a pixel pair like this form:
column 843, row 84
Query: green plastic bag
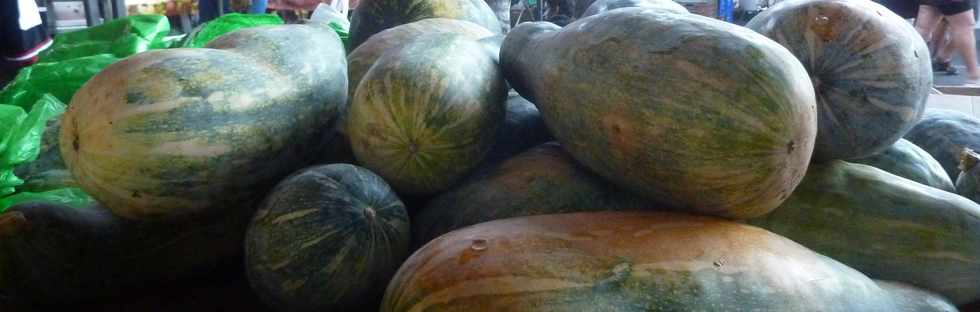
column 20, row 137
column 75, row 57
column 70, row 196
column 224, row 24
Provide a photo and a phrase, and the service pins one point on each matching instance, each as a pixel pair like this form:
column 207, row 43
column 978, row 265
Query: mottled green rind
column 61, row 255
column 256, row 108
column 944, row 134
column 907, row 160
column 602, row 6
column 886, row 226
column 705, row 116
column 617, row 261
column 373, row 16
column 968, row 182
column 911, row 299
column 542, row 180
column 870, row 68
column 48, row 171
column 328, row 238
column 426, row 114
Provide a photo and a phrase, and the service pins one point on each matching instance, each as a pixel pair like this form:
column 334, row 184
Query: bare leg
column 937, row 37
column 927, row 20
column 961, row 29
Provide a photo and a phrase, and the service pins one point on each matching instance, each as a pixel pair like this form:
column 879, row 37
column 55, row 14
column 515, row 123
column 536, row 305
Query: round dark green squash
column 522, row 129
column 373, row 16
column 907, row 160
column 542, row 180
column 602, row 6
column 426, row 114
column 625, row 261
column 886, row 226
column 869, row 67
column 328, row 238
column 944, row 134
column 56, row 254
column 48, row 171
column 176, row 133
column 705, row 116
column 909, row 298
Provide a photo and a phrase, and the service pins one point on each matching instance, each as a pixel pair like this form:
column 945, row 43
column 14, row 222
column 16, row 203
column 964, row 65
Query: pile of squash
column 641, row 158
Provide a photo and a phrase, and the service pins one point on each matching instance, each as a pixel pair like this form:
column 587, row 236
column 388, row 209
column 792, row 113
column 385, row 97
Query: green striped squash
column 907, row 160
column 427, row 113
column 886, row 226
column 173, row 133
column 704, row 116
column 625, row 261
column 327, row 238
column 944, row 133
column 869, row 67
column 373, row 16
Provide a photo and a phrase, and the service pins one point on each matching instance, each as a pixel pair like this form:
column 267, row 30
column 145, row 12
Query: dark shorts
column 950, row 7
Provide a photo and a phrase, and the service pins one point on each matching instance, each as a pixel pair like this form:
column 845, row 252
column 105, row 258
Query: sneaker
column 946, row 67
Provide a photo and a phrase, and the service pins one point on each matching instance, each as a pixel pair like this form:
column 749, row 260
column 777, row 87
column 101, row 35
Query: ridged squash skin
column 907, row 160
column 328, row 238
column 704, row 115
column 625, row 261
column 426, row 114
column 542, row 180
column 944, row 133
column 52, row 254
column 373, row 16
column 602, row 6
column 912, row 299
column 886, row 226
column 870, row 68
column 170, row 134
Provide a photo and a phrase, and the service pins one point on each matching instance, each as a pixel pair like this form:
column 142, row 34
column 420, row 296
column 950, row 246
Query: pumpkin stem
column 968, row 159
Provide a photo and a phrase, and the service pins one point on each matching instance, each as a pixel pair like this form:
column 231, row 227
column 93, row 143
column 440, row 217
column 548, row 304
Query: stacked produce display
column 641, row 158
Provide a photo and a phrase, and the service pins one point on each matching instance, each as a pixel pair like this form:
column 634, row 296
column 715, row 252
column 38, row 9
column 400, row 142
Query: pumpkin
column 328, row 238
column 967, row 182
column 886, row 226
column 706, row 116
column 522, row 129
column 944, row 134
column 625, row 261
column 176, row 133
column 56, row 254
column 601, row 6
column 373, row 16
column 913, row 299
column 542, row 180
column 426, row 114
column 907, row 160
column 870, row 69
column 48, row 171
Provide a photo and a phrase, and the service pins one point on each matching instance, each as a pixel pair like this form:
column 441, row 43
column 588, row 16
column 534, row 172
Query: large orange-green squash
column 625, row 261
column 427, row 113
column 373, row 16
column 886, row 226
column 542, row 180
column 172, row 133
column 689, row 111
column 869, row 67
column 328, row 238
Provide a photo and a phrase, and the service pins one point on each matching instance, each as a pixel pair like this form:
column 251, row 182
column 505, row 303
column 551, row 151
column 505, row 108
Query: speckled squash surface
column 705, row 116
column 426, row 114
column 542, row 180
column 602, row 6
column 944, row 134
column 56, row 254
column 172, row 133
column 373, row 16
column 886, row 226
column 869, row 67
column 907, row 160
column 625, row 261
column 912, row 299
column 328, row 238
